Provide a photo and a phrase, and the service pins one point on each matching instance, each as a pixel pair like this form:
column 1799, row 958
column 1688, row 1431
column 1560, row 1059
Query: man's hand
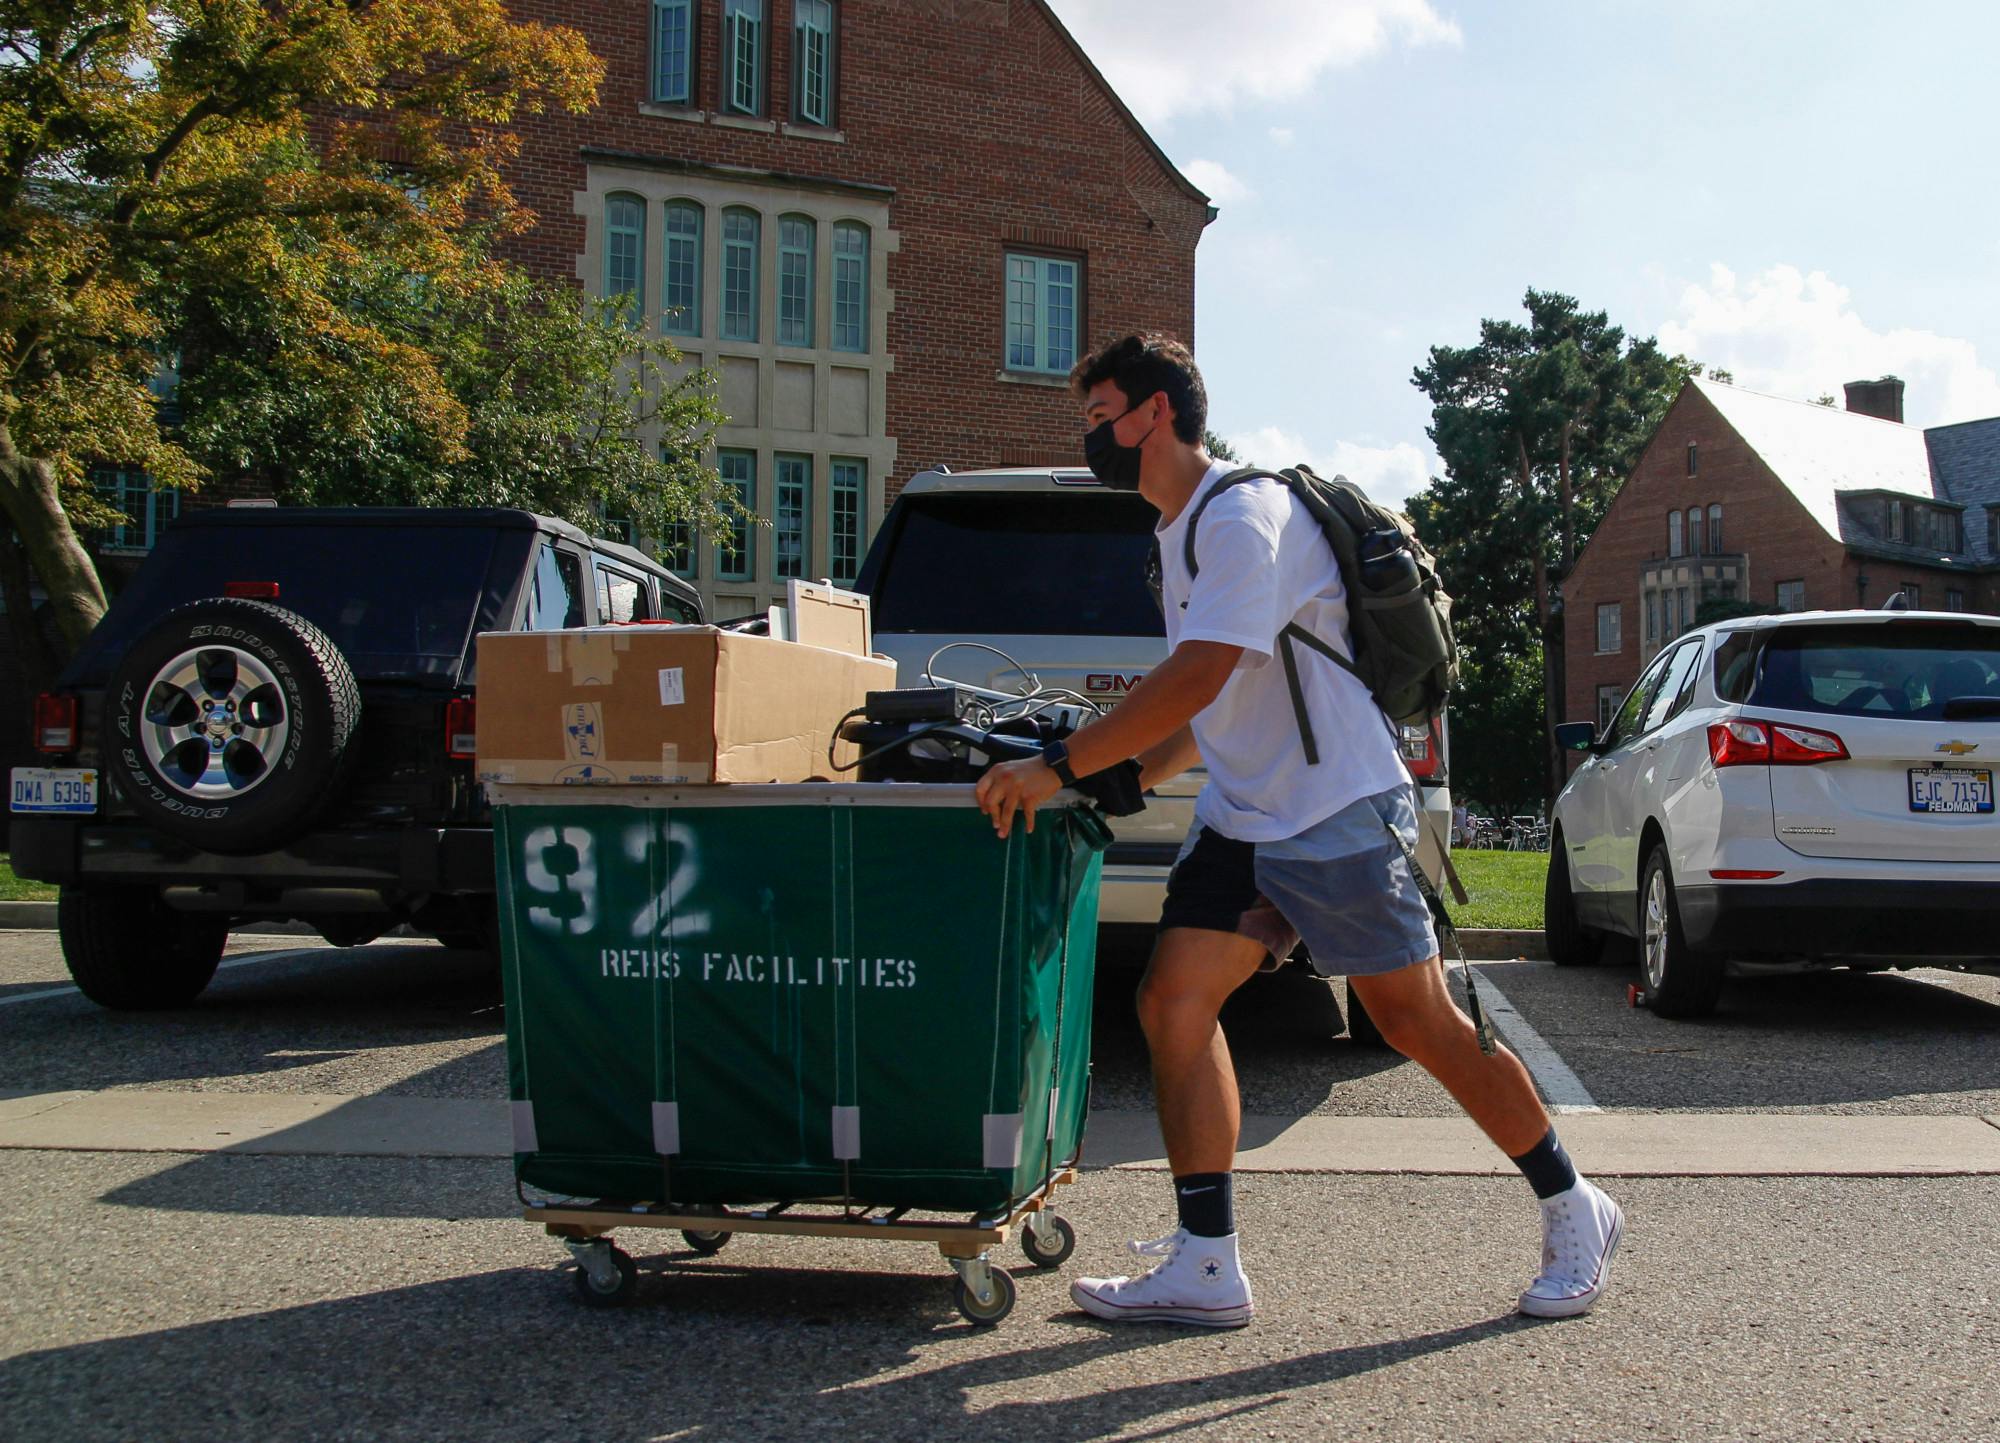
column 1011, row 786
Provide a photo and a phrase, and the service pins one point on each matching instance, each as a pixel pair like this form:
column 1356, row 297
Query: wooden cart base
column 607, row 1276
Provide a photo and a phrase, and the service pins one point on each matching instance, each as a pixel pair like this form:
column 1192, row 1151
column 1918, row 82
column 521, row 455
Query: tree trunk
column 30, row 496
column 24, row 628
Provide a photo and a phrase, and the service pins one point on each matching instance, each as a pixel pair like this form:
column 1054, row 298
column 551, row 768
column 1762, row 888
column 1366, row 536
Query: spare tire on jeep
column 227, row 725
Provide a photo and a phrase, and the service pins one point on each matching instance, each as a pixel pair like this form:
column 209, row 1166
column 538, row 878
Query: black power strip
column 918, row 704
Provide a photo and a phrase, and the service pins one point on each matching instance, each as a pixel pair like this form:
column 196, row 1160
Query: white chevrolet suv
column 1049, row 567
column 1786, row 793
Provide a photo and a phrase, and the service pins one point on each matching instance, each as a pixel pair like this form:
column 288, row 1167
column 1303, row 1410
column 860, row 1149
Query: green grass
column 13, row 889
column 1506, row 888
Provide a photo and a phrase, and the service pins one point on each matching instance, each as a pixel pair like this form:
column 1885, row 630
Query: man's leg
column 1192, row 973
column 1199, row 1276
column 1581, row 1227
column 1416, row 1016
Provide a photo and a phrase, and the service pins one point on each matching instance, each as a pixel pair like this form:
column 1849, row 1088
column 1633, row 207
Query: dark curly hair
column 1141, row 364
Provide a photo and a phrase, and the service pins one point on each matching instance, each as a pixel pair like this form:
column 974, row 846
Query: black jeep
column 275, row 721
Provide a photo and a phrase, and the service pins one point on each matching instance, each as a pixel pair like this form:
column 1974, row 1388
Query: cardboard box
column 653, row 706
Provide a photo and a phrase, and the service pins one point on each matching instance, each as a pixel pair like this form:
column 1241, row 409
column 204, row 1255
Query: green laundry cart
column 833, row 1009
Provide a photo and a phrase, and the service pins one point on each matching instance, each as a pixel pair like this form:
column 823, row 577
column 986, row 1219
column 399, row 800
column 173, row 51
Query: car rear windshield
column 1022, row 563
column 395, row 600
column 1894, row 669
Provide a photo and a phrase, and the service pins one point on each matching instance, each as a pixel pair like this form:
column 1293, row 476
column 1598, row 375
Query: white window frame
column 1609, row 694
column 1674, row 532
column 134, row 495
column 1043, row 304
column 1798, row 591
column 1614, row 613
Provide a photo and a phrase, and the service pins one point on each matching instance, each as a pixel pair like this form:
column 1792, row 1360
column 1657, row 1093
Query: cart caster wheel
column 1049, row 1252
column 707, row 1243
column 986, row 1314
column 608, row 1280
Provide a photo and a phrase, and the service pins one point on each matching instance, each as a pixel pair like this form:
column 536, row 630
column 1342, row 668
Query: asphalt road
column 220, row 1295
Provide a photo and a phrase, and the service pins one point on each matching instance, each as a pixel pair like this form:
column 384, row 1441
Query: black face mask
column 1115, row 465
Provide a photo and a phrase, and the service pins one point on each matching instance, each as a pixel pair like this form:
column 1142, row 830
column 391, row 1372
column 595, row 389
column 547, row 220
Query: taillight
column 1771, row 744
column 1423, row 749
column 251, row 590
column 55, row 722
column 461, row 728
column 1742, row 874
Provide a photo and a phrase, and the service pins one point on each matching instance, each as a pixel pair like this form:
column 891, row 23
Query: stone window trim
column 1050, row 382
column 863, row 437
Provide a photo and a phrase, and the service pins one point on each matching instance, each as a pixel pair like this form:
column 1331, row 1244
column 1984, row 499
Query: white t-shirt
column 1263, row 562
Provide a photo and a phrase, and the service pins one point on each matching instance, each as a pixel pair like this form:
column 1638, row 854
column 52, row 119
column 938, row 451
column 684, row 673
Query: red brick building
column 1787, row 506
column 890, row 226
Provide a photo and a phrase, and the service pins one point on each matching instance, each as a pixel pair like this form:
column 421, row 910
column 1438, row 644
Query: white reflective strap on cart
column 847, row 1133
column 524, row 1127
column 1003, row 1139
column 666, row 1128
column 1055, row 1097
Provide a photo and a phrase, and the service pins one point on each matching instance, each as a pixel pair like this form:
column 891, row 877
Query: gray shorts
column 1342, row 885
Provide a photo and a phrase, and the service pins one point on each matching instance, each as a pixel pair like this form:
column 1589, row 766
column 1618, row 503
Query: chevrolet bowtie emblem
column 1958, row 749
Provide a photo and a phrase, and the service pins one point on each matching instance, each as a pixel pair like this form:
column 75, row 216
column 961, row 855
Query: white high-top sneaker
column 1580, row 1233
column 1197, row 1280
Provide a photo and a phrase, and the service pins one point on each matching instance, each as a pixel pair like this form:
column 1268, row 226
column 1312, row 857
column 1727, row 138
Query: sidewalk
column 1619, row 1144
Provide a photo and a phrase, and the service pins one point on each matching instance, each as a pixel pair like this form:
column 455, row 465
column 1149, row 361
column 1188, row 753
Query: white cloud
column 1389, row 474
column 1797, row 334
column 1214, row 177
column 1283, row 135
column 1177, row 57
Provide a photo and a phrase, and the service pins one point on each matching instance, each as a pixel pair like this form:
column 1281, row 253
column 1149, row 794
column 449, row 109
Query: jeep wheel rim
column 215, row 722
column 1656, row 927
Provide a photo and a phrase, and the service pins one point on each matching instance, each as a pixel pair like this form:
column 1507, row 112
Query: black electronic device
column 918, row 704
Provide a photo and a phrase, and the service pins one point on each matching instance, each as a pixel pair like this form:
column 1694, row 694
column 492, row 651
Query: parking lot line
column 243, row 961
column 1562, row 1088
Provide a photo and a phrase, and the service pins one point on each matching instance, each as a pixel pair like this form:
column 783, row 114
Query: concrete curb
column 1617, row 1144
column 1482, row 944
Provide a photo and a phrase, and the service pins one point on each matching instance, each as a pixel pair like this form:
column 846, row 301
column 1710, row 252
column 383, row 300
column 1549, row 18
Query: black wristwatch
column 1056, row 754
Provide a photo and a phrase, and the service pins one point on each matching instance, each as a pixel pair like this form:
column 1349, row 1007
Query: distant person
column 1461, row 825
column 1327, row 845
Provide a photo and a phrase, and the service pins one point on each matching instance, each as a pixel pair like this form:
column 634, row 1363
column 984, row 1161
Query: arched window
column 681, row 298
column 624, row 253
column 795, row 280
column 1694, row 531
column 1673, row 533
column 1715, row 528
column 850, row 286
column 740, row 230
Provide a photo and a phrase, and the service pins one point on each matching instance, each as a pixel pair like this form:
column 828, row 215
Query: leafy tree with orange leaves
column 295, row 204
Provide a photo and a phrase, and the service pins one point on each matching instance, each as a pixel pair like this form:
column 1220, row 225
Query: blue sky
column 1801, row 193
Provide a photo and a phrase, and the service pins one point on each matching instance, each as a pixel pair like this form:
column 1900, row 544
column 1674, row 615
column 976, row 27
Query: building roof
column 1966, row 458
column 1817, row 451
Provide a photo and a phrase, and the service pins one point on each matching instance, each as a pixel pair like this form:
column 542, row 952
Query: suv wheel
column 128, row 950
column 1680, row 982
column 1570, row 943
column 227, row 724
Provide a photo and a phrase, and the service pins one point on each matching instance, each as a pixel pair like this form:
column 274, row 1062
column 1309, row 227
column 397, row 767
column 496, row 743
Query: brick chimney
column 1883, row 398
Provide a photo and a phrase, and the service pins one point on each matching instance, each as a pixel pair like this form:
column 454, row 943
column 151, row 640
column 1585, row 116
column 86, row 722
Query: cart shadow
column 710, row 1352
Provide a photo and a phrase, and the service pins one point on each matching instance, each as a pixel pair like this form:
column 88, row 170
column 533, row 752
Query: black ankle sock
column 1207, row 1203
column 1547, row 1167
